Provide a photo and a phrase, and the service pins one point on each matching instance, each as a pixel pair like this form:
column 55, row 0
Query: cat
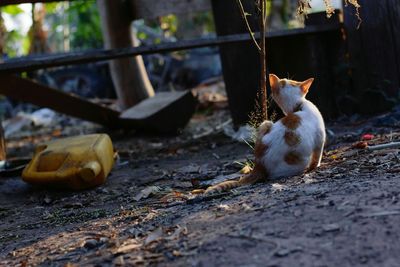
column 291, row 146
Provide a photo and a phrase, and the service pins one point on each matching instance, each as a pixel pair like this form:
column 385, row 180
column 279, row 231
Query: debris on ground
column 152, row 210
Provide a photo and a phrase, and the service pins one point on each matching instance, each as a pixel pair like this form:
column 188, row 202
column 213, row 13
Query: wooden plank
column 29, row 91
column 394, row 11
column 17, row 2
column 54, row 60
column 155, row 8
column 142, row 9
column 165, row 112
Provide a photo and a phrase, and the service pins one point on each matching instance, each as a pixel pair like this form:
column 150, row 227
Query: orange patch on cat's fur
column 282, row 83
column 291, row 138
column 291, row 121
column 292, row 158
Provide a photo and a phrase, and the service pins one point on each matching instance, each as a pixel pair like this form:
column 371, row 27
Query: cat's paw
column 264, row 128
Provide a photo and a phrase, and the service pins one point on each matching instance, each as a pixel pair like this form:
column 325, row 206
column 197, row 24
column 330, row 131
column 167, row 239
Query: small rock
column 191, row 168
column 104, row 240
column 90, row 243
column 329, row 203
column 154, row 236
column 282, row 252
column 363, row 259
column 297, row 213
column 349, row 154
column 102, row 190
column 331, row 227
column 47, row 199
column 286, row 251
column 119, row 261
column 169, row 255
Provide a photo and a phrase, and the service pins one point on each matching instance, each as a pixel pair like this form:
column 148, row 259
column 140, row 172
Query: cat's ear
column 274, row 82
column 304, row 86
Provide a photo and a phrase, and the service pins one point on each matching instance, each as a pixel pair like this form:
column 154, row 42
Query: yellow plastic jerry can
column 78, row 162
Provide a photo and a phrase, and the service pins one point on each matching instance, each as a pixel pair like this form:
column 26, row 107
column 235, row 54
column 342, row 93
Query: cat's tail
column 224, row 186
column 258, row 174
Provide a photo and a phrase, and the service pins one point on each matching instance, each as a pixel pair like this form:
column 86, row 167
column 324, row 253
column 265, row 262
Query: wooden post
column 374, row 48
column 129, row 74
column 240, row 62
column 3, row 149
column 324, row 57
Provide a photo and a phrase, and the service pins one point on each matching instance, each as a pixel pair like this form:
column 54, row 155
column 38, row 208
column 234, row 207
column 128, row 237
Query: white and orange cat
column 290, row 146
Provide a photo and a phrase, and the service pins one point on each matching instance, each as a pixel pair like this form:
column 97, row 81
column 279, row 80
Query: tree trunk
column 130, row 78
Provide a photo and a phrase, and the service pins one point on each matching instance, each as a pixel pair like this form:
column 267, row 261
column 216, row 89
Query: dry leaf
column 360, row 145
column 198, row 191
column 127, row 248
column 145, row 193
column 246, row 169
column 154, row 236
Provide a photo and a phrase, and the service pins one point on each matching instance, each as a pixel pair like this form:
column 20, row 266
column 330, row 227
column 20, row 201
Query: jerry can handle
column 90, row 171
column 31, row 168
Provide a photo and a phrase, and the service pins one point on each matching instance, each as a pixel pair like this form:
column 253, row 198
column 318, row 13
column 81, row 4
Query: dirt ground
column 344, row 214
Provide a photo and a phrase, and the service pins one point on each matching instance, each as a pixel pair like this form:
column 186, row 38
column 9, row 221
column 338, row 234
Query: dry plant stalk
column 262, row 5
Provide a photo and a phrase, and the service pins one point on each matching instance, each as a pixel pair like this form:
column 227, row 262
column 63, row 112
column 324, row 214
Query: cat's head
column 288, row 94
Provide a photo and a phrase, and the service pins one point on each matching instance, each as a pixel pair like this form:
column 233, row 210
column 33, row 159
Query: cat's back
column 291, row 141
column 296, row 127
column 312, row 123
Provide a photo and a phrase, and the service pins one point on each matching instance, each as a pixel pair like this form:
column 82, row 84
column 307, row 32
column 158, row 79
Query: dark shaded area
column 345, row 213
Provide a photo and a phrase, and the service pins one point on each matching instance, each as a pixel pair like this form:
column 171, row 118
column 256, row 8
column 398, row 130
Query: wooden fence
column 347, row 63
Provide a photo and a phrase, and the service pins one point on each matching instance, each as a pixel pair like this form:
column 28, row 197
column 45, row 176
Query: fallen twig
column 384, row 146
column 382, row 213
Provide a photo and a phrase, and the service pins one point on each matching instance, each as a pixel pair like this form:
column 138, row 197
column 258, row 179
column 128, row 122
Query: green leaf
column 51, row 7
column 12, row 10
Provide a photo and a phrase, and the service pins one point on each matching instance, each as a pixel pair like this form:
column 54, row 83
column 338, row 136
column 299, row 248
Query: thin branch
column 244, row 16
column 357, row 6
column 384, row 146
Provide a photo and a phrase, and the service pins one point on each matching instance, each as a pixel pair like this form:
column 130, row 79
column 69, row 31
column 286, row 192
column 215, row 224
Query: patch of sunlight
column 319, row 5
column 278, row 187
